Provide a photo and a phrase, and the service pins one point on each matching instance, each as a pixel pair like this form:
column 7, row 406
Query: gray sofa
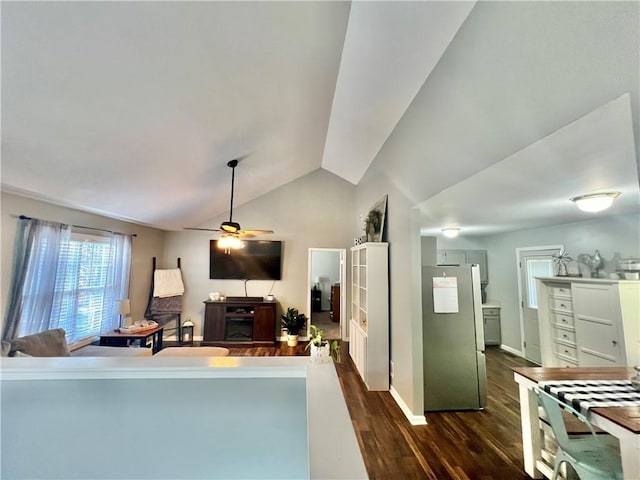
column 52, row 343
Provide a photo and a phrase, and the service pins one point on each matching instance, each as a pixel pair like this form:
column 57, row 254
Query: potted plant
column 293, row 321
column 321, row 349
column 372, row 224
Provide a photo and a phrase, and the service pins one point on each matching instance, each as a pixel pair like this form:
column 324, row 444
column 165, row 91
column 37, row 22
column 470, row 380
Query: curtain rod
column 24, row 217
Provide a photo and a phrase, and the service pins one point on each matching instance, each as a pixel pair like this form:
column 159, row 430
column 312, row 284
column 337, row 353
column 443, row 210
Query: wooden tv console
column 239, row 322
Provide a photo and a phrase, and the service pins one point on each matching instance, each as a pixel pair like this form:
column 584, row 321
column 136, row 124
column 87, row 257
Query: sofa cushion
column 50, row 343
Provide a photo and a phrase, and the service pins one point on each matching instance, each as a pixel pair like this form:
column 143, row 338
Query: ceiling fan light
column 451, row 232
column 230, row 242
column 595, row 202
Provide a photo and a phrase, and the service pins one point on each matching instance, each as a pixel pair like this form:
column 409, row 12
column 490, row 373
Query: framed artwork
column 375, row 221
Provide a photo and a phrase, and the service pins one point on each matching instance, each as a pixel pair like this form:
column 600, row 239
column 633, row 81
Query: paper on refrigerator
column 445, row 295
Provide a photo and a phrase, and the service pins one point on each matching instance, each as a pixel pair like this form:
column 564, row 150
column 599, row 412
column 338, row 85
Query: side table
column 120, row 339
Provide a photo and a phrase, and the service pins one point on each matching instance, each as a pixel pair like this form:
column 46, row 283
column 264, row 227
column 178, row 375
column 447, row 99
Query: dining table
column 618, row 418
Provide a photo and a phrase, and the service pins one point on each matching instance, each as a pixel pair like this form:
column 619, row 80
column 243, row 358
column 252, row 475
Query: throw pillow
column 6, row 348
column 51, row 343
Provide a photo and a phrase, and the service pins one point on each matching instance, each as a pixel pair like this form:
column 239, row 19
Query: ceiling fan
column 231, row 231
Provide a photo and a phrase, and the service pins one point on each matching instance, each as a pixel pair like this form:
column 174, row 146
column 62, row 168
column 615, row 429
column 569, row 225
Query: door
column 326, row 276
column 532, row 262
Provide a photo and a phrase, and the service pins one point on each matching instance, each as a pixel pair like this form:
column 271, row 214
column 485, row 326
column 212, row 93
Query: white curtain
column 62, row 281
column 117, row 287
column 36, row 268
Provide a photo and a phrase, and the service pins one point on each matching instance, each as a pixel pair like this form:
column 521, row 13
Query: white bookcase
column 369, row 323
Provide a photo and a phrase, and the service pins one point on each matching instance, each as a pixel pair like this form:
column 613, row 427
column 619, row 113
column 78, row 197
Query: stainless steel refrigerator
column 455, row 373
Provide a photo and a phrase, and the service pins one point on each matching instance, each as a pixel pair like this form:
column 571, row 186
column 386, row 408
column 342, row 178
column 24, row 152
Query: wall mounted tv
column 258, row 260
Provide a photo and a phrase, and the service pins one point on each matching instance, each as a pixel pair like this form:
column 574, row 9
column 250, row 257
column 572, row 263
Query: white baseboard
column 513, row 351
column 413, row 419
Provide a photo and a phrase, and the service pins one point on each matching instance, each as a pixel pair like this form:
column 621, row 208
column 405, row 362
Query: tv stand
column 239, row 322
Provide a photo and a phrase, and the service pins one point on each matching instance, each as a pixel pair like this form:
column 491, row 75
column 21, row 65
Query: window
column 86, row 292
column 536, row 267
column 91, row 275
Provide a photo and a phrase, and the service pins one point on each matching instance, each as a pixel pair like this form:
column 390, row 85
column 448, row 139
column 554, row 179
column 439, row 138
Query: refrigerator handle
column 477, row 307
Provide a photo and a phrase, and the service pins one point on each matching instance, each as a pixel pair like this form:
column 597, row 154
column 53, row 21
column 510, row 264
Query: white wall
column 314, row 211
column 148, row 243
column 515, row 72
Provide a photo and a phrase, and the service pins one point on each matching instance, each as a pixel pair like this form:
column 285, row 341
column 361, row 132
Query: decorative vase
column 292, row 340
column 320, row 354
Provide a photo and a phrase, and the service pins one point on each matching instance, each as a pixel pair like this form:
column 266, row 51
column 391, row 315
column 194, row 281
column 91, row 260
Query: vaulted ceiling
column 133, row 109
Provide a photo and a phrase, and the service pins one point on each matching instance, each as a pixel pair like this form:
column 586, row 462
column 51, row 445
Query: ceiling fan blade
column 203, row 229
column 256, row 232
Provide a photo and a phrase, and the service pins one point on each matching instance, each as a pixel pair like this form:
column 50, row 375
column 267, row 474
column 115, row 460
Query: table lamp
column 124, row 309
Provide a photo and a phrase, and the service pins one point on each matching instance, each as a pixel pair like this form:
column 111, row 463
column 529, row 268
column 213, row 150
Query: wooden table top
column 626, row 417
column 140, row 334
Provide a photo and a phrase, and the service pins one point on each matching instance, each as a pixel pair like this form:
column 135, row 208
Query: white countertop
column 491, row 304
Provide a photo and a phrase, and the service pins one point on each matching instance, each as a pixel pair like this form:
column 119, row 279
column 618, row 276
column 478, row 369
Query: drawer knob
column 614, row 342
column 565, row 336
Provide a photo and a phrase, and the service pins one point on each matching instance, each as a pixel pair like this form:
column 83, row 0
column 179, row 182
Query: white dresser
column 589, row 322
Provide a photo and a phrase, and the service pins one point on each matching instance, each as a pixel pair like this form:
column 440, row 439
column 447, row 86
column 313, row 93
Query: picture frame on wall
column 375, row 221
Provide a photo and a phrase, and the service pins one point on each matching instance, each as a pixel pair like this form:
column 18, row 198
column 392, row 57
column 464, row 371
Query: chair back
column 553, row 408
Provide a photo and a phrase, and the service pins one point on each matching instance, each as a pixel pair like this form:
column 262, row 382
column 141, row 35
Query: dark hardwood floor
column 483, row 445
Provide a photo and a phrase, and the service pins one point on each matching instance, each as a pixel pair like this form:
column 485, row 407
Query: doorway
column 326, row 287
column 532, row 262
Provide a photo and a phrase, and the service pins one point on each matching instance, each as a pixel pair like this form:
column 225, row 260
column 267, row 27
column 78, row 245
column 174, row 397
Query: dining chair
column 590, row 457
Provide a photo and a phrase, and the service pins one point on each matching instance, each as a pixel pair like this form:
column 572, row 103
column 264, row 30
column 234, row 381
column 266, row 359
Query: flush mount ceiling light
column 595, row 202
column 451, row 232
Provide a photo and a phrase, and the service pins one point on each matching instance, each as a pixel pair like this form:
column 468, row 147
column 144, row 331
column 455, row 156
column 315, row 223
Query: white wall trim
column 413, row 419
column 520, row 250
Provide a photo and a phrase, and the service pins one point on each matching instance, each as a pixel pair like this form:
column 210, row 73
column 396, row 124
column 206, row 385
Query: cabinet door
column 491, row 329
column 213, row 323
column 264, row 323
column 455, row 257
column 597, row 318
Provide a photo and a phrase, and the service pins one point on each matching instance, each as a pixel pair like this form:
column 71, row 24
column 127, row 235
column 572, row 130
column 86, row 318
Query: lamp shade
column 124, row 307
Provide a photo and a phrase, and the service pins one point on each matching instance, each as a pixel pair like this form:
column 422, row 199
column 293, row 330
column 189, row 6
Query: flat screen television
column 258, row 260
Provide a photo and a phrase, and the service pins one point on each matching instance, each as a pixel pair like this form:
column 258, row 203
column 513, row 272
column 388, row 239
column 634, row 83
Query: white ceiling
column 532, row 187
column 133, row 109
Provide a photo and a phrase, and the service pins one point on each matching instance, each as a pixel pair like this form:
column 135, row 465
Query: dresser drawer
column 566, row 351
column 563, row 319
column 491, row 311
column 561, row 304
column 565, row 362
column 565, row 335
column 560, row 290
